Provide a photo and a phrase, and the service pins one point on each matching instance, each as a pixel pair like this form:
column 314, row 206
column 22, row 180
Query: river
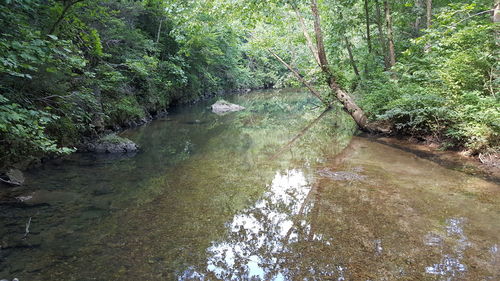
column 274, row 192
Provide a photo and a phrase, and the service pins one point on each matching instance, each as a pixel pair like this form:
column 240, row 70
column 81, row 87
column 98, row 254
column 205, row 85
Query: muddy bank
column 456, row 160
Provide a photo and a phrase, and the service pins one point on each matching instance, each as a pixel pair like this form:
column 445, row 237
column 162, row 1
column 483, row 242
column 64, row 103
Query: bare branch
column 309, row 41
column 27, row 230
column 299, row 77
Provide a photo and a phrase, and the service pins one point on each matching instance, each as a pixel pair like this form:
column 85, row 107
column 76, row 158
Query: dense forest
column 72, row 70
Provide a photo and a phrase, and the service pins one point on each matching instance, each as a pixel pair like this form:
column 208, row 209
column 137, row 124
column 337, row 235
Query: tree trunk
column 347, row 101
column 496, row 12
column 309, row 42
column 496, row 20
column 159, row 31
column 390, row 33
column 299, row 77
column 381, row 36
column 429, row 13
column 351, row 57
column 368, row 35
column 320, row 47
column 419, row 7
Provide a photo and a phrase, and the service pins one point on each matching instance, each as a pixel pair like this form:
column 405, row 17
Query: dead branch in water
column 10, row 182
column 28, row 224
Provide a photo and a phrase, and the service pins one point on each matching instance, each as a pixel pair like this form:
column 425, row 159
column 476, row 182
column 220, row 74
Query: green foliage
column 416, row 112
column 112, row 138
column 23, row 131
column 446, row 81
column 477, row 121
column 123, row 110
column 94, row 64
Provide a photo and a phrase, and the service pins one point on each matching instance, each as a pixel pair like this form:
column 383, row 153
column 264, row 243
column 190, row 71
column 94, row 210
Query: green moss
column 113, row 138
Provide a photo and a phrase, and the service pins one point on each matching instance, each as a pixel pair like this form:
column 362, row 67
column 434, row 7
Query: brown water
column 231, row 198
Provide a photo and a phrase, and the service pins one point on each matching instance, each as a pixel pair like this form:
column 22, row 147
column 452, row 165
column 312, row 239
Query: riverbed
column 279, row 191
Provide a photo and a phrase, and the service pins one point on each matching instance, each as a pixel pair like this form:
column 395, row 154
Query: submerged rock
column 112, row 144
column 46, row 197
column 13, row 177
column 341, row 175
column 223, row 107
column 195, row 122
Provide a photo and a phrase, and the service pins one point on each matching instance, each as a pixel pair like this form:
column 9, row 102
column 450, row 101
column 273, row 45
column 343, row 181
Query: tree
column 351, row 56
column 429, row 13
column 347, row 101
column 390, row 33
column 381, row 35
column 368, row 35
column 419, row 14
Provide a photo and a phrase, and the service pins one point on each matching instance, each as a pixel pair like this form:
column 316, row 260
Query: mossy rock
column 113, row 144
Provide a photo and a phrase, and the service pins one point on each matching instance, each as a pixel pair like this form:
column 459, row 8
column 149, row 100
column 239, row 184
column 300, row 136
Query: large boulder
column 222, row 107
column 112, row 144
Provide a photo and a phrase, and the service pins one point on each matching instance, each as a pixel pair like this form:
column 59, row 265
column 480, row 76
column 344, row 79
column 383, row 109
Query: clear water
column 269, row 193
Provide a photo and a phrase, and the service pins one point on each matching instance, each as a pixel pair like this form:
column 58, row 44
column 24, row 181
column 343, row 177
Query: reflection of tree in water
column 265, row 240
column 325, row 229
column 271, row 240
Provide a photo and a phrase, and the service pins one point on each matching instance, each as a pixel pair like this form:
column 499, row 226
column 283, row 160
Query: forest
column 249, row 140
column 73, row 70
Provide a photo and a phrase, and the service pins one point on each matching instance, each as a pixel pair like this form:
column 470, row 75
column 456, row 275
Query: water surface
column 269, row 193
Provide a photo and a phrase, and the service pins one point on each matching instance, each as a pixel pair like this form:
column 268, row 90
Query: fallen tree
column 320, row 57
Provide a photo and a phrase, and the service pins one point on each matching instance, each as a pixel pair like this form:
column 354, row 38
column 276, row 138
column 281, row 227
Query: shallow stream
column 275, row 192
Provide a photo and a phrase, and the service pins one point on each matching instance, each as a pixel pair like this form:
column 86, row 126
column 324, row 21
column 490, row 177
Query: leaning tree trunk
column 390, row 33
column 309, row 41
column 347, row 101
column 299, row 77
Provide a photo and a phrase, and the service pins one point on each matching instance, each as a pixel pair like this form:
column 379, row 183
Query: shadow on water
column 243, row 196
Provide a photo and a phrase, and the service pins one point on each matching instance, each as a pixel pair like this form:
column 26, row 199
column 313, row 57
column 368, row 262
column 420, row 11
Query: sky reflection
column 451, row 264
column 260, row 236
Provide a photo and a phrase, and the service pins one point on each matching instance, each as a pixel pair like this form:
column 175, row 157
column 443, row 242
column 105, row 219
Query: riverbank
column 473, row 165
column 82, row 143
column 457, row 160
